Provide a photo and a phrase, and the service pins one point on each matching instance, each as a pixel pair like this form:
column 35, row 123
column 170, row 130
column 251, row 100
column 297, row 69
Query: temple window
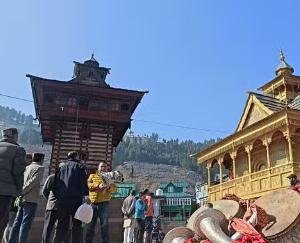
column 124, row 107
column 241, row 166
column 258, row 155
column 278, row 149
column 72, row 102
column 60, row 100
column 115, row 107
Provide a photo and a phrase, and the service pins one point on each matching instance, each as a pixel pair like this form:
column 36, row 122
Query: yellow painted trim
column 254, row 128
column 252, row 100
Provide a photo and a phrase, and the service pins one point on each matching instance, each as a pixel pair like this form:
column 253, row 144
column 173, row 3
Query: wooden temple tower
column 84, row 114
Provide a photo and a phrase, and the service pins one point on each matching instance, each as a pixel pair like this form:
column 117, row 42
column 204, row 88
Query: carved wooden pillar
column 248, row 149
column 288, row 137
column 233, row 156
column 267, row 142
column 208, row 174
column 221, row 170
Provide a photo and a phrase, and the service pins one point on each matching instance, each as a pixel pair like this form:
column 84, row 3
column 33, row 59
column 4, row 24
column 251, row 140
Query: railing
column 255, row 184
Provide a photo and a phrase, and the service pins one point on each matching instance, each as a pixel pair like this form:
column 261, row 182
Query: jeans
column 139, row 229
column 64, row 213
column 22, row 224
column 4, row 212
column 148, row 229
column 100, row 210
column 49, row 223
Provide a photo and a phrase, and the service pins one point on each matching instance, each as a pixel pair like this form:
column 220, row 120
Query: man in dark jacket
column 70, row 188
column 51, row 210
column 12, row 167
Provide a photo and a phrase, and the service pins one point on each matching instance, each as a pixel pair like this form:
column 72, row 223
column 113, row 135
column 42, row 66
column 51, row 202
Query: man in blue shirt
column 139, row 218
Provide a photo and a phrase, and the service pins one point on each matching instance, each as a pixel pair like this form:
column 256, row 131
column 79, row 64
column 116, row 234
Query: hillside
column 149, row 176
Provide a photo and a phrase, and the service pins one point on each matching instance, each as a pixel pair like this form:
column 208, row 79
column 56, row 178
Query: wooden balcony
column 255, row 184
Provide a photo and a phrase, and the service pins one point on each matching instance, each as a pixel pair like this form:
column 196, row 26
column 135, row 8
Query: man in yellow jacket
column 99, row 195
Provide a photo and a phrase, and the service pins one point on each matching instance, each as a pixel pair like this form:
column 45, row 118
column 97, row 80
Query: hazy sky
column 197, row 58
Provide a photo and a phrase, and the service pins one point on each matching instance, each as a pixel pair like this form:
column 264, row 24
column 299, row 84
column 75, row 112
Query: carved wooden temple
column 84, row 114
column 265, row 147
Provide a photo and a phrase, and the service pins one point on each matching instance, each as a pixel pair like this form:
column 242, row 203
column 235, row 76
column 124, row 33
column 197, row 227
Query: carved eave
column 279, row 81
column 248, row 134
column 251, row 104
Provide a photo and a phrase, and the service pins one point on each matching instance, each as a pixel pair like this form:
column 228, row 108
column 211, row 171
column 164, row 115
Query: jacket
column 33, row 176
column 97, row 195
column 128, row 207
column 70, row 183
column 149, row 203
column 12, row 167
column 140, row 208
column 48, row 193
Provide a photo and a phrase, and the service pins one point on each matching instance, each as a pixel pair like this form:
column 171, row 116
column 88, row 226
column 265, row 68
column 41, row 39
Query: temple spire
column 284, row 67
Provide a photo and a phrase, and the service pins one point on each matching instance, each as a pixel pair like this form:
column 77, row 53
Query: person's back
column 70, row 187
column 70, row 181
column 12, row 167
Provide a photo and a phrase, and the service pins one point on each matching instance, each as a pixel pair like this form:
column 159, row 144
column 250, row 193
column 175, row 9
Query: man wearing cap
column 12, row 167
column 28, row 201
column 294, row 180
column 69, row 188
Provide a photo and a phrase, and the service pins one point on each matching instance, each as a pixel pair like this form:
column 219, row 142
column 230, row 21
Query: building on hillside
column 83, row 114
column 265, row 147
column 123, row 190
column 201, row 193
column 178, row 203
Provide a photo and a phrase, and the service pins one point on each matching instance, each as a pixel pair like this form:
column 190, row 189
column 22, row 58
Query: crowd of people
column 138, row 217
column 66, row 190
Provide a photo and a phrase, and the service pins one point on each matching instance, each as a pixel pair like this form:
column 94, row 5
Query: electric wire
column 140, row 120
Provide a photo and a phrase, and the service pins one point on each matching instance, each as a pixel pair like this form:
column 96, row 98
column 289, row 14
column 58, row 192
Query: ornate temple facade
column 265, row 147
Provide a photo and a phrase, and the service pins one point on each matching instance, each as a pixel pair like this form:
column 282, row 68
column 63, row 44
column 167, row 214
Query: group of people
column 65, row 190
column 138, row 217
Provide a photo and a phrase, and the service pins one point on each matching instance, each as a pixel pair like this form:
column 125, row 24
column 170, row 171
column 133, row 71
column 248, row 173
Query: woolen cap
column 291, row 176
column 9, row 132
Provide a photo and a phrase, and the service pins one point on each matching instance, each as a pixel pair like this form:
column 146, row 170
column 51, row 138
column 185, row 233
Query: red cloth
column 242, row 227
column 296, row 188
column 250, row 239
column 191, row 240
column 250, row 235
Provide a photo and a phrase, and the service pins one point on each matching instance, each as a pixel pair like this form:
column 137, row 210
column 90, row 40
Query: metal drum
column 283, row 208
column 178, row 234
column 229, row 208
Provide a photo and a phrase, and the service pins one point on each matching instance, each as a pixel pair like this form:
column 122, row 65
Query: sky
column 197, row 58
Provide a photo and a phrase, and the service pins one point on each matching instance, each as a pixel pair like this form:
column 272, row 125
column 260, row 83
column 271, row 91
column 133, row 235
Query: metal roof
column 270, row 102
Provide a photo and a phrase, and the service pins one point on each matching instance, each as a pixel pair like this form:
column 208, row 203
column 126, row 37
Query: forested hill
column 142, row 149
column 150, row 149
column 28, row 129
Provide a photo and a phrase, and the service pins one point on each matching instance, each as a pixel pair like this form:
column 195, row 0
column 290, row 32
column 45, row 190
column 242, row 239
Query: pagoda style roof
column 85, row 98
